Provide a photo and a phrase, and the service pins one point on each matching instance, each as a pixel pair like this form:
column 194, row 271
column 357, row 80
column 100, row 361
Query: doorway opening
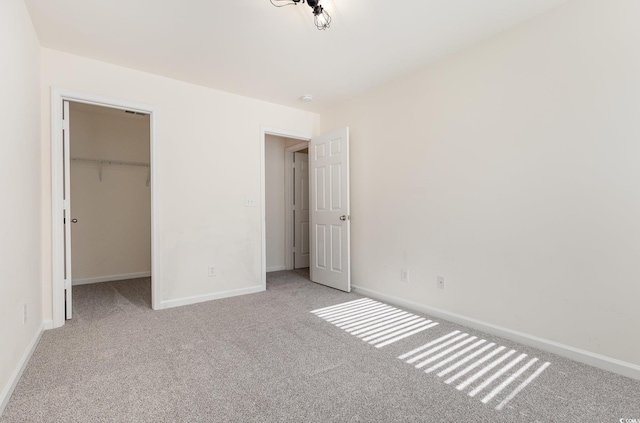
column 110, row 208
column 106, row 175
column 286, row 204
column 328, row 208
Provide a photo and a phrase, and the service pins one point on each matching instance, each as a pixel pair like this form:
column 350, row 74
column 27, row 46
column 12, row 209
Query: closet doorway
column 62, row 215
column 110, row 203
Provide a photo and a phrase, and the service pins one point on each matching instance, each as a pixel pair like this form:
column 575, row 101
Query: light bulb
column 322, row 19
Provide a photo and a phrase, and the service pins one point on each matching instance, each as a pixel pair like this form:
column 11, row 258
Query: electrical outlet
column 249, row 202
column 404, row 275
column 212, row 271
column 441, row 282
column 24, row 314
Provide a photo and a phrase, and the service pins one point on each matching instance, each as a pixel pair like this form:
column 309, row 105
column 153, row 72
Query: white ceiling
column 252, row 48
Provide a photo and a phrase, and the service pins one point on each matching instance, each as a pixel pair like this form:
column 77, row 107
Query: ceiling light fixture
column 321, row 18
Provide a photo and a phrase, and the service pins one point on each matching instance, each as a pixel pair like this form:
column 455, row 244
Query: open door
column 66, row 207
column 301, row 210
column 330, row 220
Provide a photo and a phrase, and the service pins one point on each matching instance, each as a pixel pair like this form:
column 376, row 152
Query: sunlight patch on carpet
column 476, row 365
column 374, row 322
column 480, row 368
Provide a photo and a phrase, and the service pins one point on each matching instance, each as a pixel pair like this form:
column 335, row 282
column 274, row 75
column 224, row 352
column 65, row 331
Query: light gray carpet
column 266, row 358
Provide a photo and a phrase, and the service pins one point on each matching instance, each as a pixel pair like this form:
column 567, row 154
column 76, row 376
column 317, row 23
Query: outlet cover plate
column 404, row 275
column 212, row 271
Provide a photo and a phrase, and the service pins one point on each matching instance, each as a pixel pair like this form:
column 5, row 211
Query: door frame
column 288, row 202
column 57, row 186
column 264, row 131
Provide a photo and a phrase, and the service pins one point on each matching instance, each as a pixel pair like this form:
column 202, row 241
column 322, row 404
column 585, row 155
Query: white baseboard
column 276, row 268
column 208, row 297
column 111, row 278
column 5, row 395
column 596, row 360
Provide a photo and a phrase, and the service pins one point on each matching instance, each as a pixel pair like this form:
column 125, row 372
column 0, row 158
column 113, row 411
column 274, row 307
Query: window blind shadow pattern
column 374, row 322
column 485, row 370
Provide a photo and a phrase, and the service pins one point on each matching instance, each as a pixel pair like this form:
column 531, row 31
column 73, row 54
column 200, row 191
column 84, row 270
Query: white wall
column 512, row 169
column 112, row 237
column 20, row 263
column 208, row 160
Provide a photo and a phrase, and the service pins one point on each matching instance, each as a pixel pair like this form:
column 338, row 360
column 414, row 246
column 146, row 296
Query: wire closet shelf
column 103, row 162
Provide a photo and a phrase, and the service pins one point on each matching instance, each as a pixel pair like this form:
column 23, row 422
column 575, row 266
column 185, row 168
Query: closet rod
column 109, row 162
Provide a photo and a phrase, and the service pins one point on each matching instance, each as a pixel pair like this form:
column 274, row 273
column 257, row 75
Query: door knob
column 74, row 220
column 343, row 217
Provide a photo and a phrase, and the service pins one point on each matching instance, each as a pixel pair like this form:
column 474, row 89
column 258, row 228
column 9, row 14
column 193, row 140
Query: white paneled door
column 66, row 204
column 301, row 210
column 330, row 221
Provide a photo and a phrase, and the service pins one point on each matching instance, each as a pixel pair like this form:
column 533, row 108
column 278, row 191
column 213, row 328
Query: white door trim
column 288, row 202
column 57, row 97
column 264, row 131
column 66, row 209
